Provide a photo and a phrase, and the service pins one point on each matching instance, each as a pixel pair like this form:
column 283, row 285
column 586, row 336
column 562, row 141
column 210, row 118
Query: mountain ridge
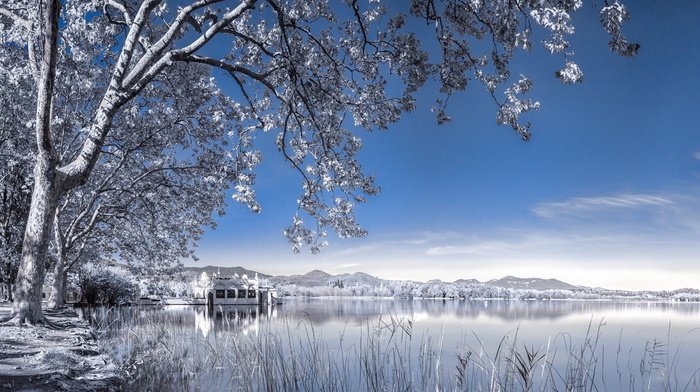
column 513, row 282
column 226, row 271
column 321, row 278
column 318, row 277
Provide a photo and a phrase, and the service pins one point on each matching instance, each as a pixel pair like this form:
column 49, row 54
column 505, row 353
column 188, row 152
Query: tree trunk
column 58, row 287
column 32, row 270
column 57, row 299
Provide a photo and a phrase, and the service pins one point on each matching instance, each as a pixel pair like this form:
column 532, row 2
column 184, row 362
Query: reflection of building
column 202, row 322
column 239, row 291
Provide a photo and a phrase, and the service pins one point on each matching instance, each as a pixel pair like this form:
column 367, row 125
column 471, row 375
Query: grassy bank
column 63, row 358
column 169, row 353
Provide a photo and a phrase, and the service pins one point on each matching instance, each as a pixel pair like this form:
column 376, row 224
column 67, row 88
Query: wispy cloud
column 355, row 251
column 522, row 243
column 476, row 248
column 623, row 231
column 348, row 265
column 579, row 205
column 624, row 238
column 419, row 237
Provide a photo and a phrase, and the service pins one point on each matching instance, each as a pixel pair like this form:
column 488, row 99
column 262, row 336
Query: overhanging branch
column 231, row 69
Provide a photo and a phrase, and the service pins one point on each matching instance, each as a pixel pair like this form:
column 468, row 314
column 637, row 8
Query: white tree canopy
column 104, row 72
column 158, row 181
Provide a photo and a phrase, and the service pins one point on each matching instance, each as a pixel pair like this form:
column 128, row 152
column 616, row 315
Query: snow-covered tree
column 151, row 194
column 15, row 188
column 201, row 284
column 111, row 285
column 303, row 69
column 16, row 153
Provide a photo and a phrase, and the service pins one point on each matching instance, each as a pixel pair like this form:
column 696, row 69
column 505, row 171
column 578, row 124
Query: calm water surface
column 625, row 334
column 488, row 321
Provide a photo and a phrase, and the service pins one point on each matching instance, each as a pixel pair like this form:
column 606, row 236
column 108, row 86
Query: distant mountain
column 225, row 271
column 466, row 282
column 359, row 278
column 512, row 282
column 317, row 274
column 309, row 279
column 321, row 278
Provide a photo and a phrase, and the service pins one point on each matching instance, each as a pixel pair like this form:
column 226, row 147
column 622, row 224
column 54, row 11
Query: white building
column 239, row 291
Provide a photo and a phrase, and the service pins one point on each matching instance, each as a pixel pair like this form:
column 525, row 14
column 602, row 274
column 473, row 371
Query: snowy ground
column 41, row 359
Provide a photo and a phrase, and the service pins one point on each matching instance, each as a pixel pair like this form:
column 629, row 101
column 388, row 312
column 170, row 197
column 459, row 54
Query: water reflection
column 358, row 310
column 618, row 333
column 115, row 322
column 247, row 318
column 243, row 318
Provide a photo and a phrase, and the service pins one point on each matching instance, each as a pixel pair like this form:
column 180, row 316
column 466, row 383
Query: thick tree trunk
column 47, row 189
column 30, row 278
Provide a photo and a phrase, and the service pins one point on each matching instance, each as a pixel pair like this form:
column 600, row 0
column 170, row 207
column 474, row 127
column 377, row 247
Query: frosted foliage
column 556, row 19
column 459, row 291
column 16, row 157
column 162, row 174
column 571, row 74
column 109, row 285
column 146, row 142
column 612, row 17
column 511, row 110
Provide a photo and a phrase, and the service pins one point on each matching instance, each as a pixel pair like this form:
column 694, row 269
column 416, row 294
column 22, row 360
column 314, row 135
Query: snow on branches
column 312, row 72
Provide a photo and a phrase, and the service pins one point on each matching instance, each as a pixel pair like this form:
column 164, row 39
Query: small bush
column 106, row 284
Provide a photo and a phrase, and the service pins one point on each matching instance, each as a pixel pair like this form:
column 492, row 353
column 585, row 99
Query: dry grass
column 387, row 356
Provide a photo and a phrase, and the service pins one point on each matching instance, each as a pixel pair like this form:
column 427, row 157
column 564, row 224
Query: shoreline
column 42, row 359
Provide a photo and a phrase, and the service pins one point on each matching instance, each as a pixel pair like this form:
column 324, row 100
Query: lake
column 385, row 344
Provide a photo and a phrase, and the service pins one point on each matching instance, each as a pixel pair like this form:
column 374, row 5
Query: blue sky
column 607, row 192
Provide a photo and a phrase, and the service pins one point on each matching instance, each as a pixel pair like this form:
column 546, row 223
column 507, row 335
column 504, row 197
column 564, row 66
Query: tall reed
column 386, row 355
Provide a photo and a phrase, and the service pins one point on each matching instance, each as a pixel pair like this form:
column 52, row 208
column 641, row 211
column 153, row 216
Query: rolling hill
column 225, row 271
column 320, row 278
column 512, row 282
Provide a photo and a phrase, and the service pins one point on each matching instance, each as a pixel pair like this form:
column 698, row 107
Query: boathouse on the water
column 237, row 290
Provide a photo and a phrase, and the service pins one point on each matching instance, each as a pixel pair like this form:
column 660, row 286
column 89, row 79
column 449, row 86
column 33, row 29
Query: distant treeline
column 194, row 284
column 411, row 290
